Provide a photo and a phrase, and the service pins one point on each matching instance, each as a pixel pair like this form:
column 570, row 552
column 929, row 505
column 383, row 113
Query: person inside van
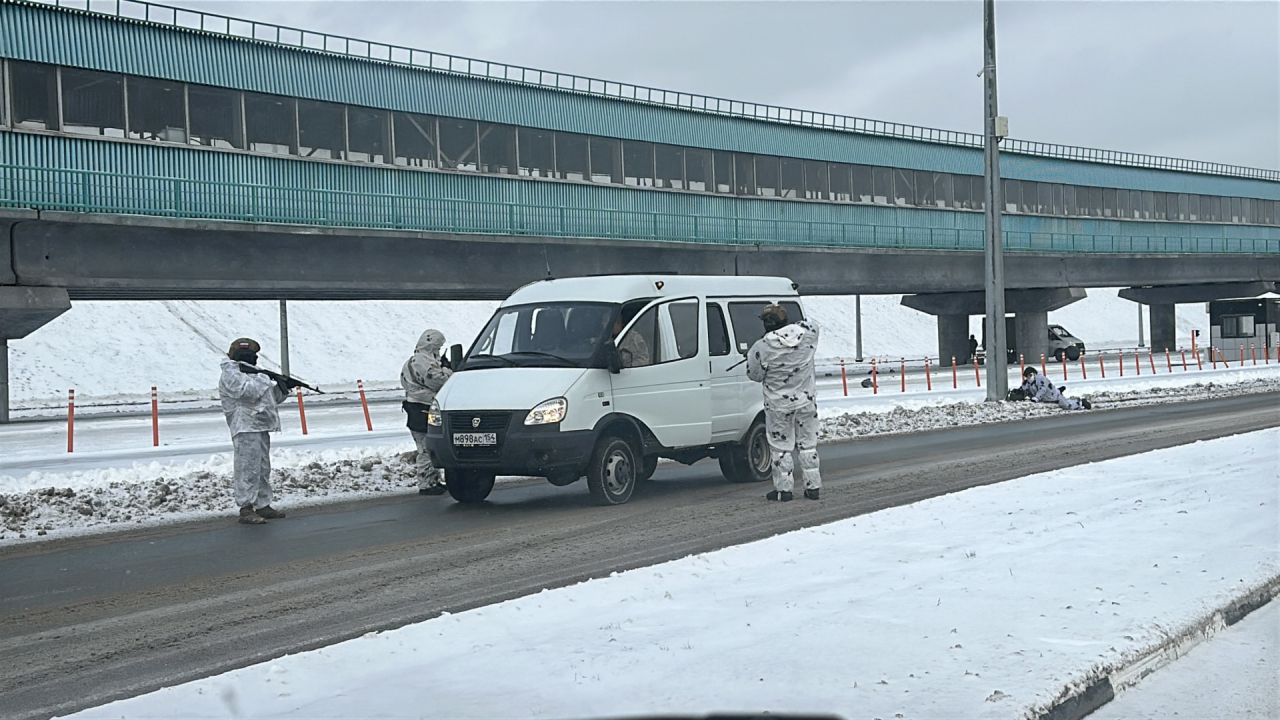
column 632, row 348
column 782, row 362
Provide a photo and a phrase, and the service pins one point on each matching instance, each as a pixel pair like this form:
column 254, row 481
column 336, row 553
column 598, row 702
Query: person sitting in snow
column 782, row 362
column 249, row 401
column 1038, row 388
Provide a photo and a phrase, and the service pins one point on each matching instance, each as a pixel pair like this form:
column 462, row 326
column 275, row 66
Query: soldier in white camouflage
column 782, row 362
column 422, row 377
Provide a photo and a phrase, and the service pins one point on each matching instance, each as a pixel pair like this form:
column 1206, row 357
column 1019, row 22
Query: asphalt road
column 89, row 620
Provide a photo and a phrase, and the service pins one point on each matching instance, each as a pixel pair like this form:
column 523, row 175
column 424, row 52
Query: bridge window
column 724, row 172
column 904, row 187
column 766, row 175
column 270, row 123
column 637, row 163
column 322, row 129
column 458, row 140
column 498, row 149
column 841, row 179
column 861, row 188
column 416, row 140
column 92, row 103
column 1193, row 207
column 1058, row 207
column 924, row 188
column 1182, row 208
column 570, row 155
column 157, row 110
column 606, row 160
column 1044, row 193
column 537, row 152
column 744, row 174
column 1235, row 211
column 33, row 93
column 1161, row 211
column 669, row 167
column 816, row 182
column 791, row 178
column 368, row 135
column 1012, row 196
column 961, row 191
column 699, row 171
column 882, row 185
column 216, row 116
column 943, row 190
column 1109, row 203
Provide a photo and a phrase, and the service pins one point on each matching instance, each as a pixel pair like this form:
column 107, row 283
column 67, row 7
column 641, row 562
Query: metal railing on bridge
column 252, row 30
column 88, row 191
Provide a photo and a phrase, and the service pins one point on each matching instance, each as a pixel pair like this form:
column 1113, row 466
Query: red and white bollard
column 1212, row 358
column 928, row 378
column 1184, row 360
column 302, row 412
column 155, row 418
column 903, row 370
column 71, row 420
column 875, row 381
column 1022, row 365
column 1152, row 360
column 1253, row 354
column 1137, row 362
column 1102, row 367
column 955, row 378
column 1044, row 369
column 1167, row 360
column 1084, row 374
column 977, row 376
column 844, row 380
column 1064, row 368
column 1121, row 362
column 364, row 403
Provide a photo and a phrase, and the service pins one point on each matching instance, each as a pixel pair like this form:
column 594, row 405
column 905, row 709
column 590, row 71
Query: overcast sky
column 1199, row 80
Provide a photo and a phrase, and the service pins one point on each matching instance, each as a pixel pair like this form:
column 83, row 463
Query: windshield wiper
column 568, row 362
column 479, row 358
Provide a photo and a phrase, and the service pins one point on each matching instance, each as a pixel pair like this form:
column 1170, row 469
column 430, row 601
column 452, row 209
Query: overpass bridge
column 153, row 152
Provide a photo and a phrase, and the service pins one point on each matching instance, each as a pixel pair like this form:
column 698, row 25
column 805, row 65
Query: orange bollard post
column 1084, row 374
column 977, row 376
column 1102, row 367
column 71, row 420
column 1199, row 365
column 955, row 380
column 1167, row 360
column 364, row 403
column 928, row 377
column 302, row 412
column 155, row 419
column 1222, row 356
column 1044, row 369
column 875, row 382
column 1064, row 368
column 1137, row 362
column 1253, row 354
column 1120, row 363
column 1212, row 358
column 1152, row 361
column 1184, row 360
column 1022, row 365
column 844, row 380
column 903, row 370
column 1242, row 356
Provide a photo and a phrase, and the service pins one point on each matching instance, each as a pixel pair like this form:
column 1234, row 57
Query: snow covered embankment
column 109, row 499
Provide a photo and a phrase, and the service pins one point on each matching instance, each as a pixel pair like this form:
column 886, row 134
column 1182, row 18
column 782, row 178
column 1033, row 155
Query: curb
column 1104, row 689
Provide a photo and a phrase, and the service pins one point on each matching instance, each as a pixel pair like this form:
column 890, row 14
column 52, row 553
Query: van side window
column 745, row 317
column 639, row 343
column 717, row 331
column 684, row 327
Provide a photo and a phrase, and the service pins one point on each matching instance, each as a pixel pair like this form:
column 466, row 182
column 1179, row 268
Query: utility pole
column 996, row 128
column 857, row 309
column 1142, row 340
column 284, row 338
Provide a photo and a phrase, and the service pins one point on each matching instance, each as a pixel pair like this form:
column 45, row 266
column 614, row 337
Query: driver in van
column 632, row 349
column 782, row 362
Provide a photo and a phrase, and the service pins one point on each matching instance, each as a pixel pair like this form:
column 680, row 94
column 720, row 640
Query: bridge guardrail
column 24, row 186
column 309, row 40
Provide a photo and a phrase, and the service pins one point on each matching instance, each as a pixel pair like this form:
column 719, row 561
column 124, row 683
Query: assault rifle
column 288, row 381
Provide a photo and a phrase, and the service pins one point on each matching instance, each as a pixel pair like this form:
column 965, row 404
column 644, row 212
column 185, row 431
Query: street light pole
column 997, row 362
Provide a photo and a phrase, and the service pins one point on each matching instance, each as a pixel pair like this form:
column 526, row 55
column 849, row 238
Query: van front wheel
column 751, row 460
column 612, row 472
column 468, row 486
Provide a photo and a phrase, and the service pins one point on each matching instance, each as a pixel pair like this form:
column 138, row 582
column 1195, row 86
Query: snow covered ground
column 46, row 493
column 993, row 602
column 175, row 345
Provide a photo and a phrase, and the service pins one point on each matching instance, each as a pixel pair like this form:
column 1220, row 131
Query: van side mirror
column 743, row 349
column 455, row 357
column 612, row 360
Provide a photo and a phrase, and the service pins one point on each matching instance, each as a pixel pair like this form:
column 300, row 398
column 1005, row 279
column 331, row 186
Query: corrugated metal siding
column 62, row 37
column 290, row 190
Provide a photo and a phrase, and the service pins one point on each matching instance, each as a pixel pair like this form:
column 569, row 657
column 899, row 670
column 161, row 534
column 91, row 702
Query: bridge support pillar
column 1164, row 327
column 22, row 311
column 1031, row 335
column 953, row 338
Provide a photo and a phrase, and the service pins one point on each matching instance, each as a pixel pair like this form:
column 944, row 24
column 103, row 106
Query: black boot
column 782, row 495
column 249, row 517
column 433, row 490
column 269, row 513
column 811, row 493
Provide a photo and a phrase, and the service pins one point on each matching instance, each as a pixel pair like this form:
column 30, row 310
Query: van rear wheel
column 750, row 460
column 1059, row 355
column 612, row 472
column 468, row 486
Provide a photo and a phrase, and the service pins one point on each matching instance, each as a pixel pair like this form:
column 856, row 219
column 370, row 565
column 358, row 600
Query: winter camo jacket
column 422, row 375
column 1040, row 389
column 782, row 361
column 248, row 401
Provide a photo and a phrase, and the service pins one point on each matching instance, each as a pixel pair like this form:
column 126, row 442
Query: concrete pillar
column 1164, row 327
column 1032, row 335
column 22, row 310
column 953, row 338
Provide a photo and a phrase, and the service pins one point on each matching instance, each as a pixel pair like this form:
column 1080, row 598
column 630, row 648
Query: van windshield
column 562, row 334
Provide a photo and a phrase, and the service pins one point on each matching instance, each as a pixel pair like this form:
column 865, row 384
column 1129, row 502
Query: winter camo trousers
column 428, row 475
column 794, row 432
column 252, row 469
column 1067, row 403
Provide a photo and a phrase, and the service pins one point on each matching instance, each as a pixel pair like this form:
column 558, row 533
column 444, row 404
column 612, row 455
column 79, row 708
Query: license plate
column 474, row 439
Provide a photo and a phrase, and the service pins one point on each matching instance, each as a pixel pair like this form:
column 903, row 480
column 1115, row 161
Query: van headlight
column 548, row 412
column 433, row 414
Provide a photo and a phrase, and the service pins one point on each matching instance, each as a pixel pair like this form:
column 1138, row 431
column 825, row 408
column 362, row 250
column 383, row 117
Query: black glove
column 444, row 361
column 283, row 386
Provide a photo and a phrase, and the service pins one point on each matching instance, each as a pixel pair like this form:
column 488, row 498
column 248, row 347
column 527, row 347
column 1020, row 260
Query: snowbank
column 993, row 602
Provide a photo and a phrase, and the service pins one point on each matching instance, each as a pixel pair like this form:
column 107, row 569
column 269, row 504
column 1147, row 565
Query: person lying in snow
column 1038, row 388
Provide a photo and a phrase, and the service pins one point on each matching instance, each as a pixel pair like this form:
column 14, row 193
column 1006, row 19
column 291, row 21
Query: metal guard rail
column 297, row 38
column 69, row 190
